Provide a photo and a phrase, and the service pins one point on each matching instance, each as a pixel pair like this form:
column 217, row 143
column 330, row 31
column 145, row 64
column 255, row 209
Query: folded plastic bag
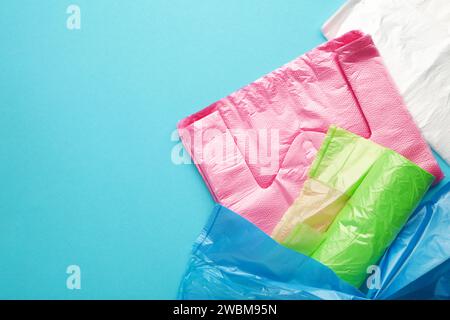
column 233, row 259
column 413, row 37
column 253, row 148
column 373, row 192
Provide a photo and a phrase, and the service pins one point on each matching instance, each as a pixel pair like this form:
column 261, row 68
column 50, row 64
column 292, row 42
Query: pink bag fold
column 254, row 147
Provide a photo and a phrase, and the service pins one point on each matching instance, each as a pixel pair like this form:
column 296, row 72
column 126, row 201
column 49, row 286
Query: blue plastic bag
column 233, row 259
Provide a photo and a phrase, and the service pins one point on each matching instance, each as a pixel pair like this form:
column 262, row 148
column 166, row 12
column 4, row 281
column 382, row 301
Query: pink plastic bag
column 254, row 147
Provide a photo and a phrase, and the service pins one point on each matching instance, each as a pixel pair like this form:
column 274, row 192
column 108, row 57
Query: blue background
column 86, row 119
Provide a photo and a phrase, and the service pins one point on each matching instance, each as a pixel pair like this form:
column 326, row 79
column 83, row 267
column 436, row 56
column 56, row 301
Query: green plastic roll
column 357, row 198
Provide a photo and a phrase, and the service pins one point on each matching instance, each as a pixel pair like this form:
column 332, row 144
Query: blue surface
column 86, row 118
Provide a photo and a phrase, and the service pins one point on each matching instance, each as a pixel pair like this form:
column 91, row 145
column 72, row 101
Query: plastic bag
column 253, row 148
column 340, row 167
column 376, row 188
column 233, row 259
column 413, row 37
column 364, row 191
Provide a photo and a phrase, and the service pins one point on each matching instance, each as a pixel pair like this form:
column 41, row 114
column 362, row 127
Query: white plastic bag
column 413, row 37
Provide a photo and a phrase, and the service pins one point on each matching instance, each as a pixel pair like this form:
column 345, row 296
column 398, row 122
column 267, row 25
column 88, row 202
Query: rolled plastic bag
column 233, row 259
column 254, row 147
column 357, row 198
column 413, row 37
column 341, row 165
column 383, row 188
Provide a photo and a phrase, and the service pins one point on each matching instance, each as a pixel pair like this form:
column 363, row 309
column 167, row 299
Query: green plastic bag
column 357, row 198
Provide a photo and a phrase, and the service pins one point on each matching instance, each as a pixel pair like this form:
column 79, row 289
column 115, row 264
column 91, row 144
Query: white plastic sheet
column 413, row 37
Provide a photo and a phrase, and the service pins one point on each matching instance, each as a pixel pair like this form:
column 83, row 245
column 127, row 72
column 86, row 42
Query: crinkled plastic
column 374, row 191
column 253, row 148
column 233, row 259
column 413, row 37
